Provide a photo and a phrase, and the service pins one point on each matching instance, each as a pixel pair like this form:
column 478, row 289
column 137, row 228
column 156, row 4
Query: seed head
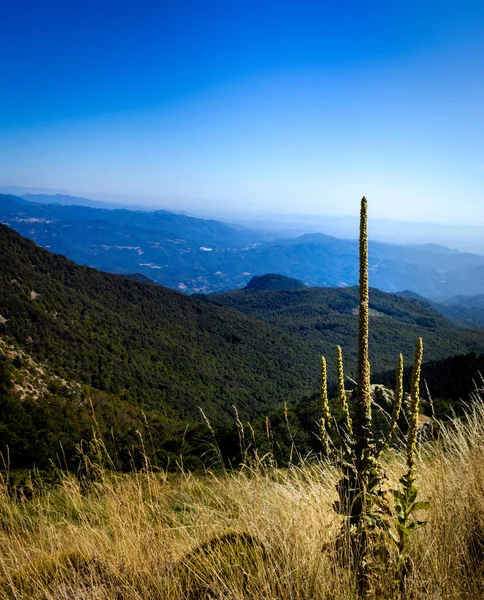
column 324, row 436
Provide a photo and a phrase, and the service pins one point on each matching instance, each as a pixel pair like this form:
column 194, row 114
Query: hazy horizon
column 236, row 212
column 465, row 238
column 263, row 106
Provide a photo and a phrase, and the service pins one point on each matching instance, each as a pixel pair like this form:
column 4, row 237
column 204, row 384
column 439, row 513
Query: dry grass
column 144, row 536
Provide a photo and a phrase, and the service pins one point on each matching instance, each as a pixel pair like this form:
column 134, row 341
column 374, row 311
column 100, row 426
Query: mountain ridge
column 465, row 311
column 204, row 256
column 327, row 317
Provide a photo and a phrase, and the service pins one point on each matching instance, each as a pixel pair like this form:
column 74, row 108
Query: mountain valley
column 204, row 256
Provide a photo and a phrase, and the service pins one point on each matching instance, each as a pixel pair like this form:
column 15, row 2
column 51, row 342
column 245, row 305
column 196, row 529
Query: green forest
column 133, row 363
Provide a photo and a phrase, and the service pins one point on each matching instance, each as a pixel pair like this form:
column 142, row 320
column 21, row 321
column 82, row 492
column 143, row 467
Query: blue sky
column 289, row 107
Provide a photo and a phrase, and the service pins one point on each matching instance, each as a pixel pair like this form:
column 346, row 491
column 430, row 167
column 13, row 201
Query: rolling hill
column 327, row 317
column 272, row 281
column 465, row 311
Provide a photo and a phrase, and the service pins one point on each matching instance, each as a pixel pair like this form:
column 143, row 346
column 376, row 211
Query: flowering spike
column 324, row 436
column 341, row 390
column 414, row 408
column 323, row 390
column 364, row 391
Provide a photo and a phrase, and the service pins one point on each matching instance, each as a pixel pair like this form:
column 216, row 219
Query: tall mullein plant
column 362, row 429
column 361, row 500
column 366, row 464
column 362, row 481
column 359, row 489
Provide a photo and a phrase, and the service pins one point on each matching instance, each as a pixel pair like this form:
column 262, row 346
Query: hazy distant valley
column 204, row 256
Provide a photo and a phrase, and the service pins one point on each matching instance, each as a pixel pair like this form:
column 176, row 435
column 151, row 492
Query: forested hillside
column 157, row 348
column 149, row 345
column 81, row 349
column 327, row 317
column 469, row 310
column 274, row 281
column 465, row 311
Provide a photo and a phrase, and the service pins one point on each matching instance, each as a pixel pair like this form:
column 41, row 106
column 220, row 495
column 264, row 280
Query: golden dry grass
column 142, row 536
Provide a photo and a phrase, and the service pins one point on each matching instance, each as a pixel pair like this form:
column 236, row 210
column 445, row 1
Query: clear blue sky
column 296, row 107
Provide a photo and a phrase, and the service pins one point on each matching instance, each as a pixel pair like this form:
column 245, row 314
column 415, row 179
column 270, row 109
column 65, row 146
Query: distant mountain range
column 47, row 196
column 466, row 238
column 67, row 200
column 203, row 256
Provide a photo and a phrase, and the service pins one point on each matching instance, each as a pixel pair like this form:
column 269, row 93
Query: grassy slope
column 134, row 537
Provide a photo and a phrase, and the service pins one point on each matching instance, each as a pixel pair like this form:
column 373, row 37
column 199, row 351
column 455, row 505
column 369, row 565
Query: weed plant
column 364, row 544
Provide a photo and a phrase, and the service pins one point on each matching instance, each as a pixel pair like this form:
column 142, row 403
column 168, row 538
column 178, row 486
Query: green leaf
column 402, row 529
column 415, row 525
column 419, row 506
column 412, row 494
